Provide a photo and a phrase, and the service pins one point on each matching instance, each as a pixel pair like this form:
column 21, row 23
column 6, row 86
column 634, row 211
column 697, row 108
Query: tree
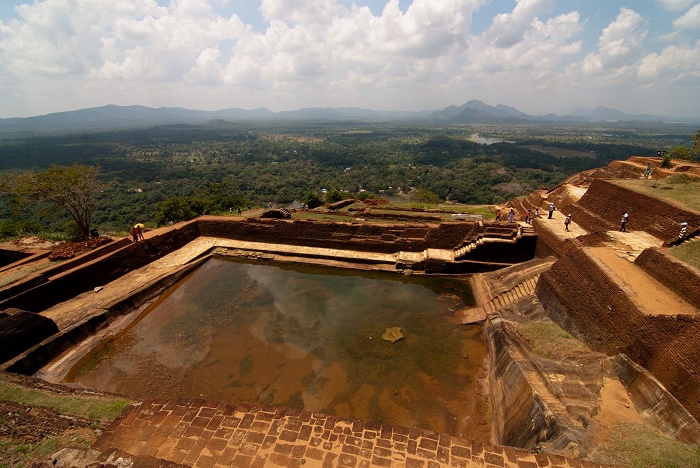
column 175, row 209
column 695, row 150
column 681, row 152
column 71, row 188
column 423, row 195
column 312, row 200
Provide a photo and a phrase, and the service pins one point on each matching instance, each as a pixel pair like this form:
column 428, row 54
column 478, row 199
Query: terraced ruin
column 590, row 331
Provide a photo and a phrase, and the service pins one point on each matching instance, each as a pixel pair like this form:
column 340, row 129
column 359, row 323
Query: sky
column 540, row 56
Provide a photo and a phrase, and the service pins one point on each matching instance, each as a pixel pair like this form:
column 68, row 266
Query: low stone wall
column 387, row 238
column 581, row 298
column 660, row 219
column 675, row 275
column 38, row 293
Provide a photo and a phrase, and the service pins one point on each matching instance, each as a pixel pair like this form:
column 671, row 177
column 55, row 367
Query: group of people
column 567, row 220
column 137, row 232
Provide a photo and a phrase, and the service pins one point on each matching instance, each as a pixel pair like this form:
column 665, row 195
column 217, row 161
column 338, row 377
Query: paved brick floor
column 206, row 434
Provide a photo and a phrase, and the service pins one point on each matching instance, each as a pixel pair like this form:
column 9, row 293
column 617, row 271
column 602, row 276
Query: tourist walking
column 567, row 221
column 623, row 221
column 511, row 215
column 139, row 231
column 528, row 216
column 537, row 212
column 498, row 215
column 551, row 210
column 135, row 234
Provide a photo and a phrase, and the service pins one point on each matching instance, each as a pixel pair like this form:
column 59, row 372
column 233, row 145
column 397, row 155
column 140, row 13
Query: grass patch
column 547, row 339
column 679, row 189
column 688, row 252
column 638, row 446
column 24, row 272
column 15, row 453
column 101, row 408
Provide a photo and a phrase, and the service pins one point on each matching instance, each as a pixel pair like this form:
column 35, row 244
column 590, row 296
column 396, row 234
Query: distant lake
column 485, row 141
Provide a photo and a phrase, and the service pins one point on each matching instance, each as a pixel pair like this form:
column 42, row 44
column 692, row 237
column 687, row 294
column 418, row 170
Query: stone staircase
column 505, row 298
column 494, row 234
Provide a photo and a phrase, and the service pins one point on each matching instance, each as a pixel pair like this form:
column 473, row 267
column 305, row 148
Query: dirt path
column 648, row 294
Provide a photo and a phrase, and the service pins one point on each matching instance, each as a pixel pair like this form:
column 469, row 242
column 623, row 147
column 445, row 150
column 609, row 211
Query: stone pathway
column 207, row 434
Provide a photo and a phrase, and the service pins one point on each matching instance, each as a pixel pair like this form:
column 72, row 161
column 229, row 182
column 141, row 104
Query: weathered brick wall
column 582, row 299
column 680, row 278
column 550, row 244
column 648, row 214
column 590, row 221
column 41, row 294
column 365, row 237
column 20, row 330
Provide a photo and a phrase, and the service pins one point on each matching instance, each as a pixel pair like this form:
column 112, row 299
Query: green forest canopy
column 152, row 175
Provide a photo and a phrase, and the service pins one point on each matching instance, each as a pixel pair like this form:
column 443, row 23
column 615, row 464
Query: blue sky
column 541, row 56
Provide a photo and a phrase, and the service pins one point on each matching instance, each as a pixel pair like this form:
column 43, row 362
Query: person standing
column 511, row 215
column 567, row 221
column 139, row 231
column 528, row 216
column 135, row 234
column 551, row 210
column 623, row 221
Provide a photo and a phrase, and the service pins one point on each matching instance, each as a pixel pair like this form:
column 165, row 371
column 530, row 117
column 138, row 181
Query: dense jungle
column 170, row 173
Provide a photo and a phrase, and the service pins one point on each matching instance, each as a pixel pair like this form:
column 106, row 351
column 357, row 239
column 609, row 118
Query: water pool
column 303, row 337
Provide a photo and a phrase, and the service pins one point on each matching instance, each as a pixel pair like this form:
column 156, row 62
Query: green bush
column 666, row 161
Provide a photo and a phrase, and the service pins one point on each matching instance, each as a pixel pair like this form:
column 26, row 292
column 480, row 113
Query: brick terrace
column 205, row 434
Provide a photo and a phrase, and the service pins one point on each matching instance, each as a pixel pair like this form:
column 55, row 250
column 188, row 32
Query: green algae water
column 304, row 337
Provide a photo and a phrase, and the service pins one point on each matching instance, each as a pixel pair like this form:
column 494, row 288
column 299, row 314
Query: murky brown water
column 304, row 338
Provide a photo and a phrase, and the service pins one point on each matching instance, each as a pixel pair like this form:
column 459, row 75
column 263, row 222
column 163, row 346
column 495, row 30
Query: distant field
column 679, row 189
column 560, row 152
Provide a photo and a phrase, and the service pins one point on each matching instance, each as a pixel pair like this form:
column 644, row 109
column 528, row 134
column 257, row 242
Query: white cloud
column 675, row 5
column 80, row 53
column 690, row 20
column 620, row 46
column 674, row 62
column 508, row 29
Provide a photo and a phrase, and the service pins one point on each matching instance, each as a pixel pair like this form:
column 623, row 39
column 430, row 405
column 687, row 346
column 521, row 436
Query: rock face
column 392, row 334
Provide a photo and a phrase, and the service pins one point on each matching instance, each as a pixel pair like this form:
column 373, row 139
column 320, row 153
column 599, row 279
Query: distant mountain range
column 474, row 111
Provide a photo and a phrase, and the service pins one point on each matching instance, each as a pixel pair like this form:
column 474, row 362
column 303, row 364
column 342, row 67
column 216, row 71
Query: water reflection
column 265, row 335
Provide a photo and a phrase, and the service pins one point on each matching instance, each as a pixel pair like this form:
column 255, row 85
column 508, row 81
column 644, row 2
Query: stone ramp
column 650, row 296
column 208, row 434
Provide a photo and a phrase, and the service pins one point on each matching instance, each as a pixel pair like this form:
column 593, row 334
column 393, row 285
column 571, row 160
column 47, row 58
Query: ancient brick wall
column 550, row 244
column 365, row 237
column 20, row 330
column 680, row 278
column 648, row 214
column 582, row 299
column 42, row 295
